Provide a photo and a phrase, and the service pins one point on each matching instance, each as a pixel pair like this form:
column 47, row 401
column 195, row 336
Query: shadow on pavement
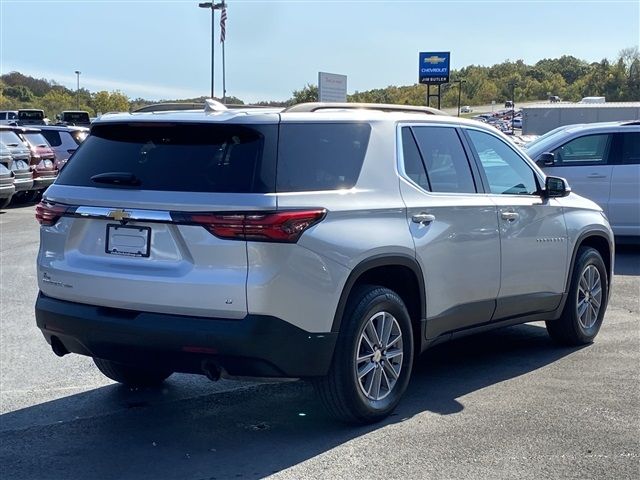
column 248, row 433
column 627, row 260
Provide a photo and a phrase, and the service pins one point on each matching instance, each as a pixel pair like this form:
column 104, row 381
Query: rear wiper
column 117, row 178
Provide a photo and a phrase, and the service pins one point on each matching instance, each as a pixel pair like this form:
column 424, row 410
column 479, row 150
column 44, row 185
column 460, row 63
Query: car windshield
column 36, row 139
column 543, row 141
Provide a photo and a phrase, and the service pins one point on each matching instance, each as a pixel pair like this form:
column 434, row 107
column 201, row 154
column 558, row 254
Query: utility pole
column 459, row 82
column 513, row 106
column 78, row 89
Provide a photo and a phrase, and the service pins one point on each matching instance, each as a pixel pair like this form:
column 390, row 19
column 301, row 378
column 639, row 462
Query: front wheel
column 587, row 301
column 373, row 357
column 132, row 375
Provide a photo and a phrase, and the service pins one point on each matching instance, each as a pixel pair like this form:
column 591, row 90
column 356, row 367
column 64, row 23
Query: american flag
column 223, row 22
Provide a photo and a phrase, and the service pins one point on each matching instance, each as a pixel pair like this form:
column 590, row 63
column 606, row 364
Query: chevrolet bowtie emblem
column 434, row 59
column 119, row 215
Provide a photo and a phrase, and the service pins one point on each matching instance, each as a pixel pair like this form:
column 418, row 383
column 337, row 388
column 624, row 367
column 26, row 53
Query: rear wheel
column 4, row 202
column 373, row 357
column 132, row 375
column 585, row 307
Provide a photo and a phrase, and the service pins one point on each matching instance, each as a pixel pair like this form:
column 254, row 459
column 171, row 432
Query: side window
column 630, row 148
column 445, row 160
column 3, row 116
column 320, row 156
column 52, row 137
column 506, row 172
column 413, row 165
column 587, row 150
column 12, row 115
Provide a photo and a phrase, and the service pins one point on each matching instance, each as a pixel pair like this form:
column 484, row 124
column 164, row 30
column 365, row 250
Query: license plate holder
column 128, row 240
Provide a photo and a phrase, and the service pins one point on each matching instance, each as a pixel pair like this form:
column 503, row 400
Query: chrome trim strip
column 134, row 214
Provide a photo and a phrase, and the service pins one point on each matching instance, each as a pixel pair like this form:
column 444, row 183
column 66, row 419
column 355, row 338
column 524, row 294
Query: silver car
column 333, row 242
column 601, row 161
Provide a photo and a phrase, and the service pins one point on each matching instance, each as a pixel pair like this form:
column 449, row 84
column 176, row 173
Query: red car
column 42, row 160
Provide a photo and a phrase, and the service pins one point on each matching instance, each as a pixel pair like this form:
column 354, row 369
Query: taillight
column 48, row 214
column 285, row 226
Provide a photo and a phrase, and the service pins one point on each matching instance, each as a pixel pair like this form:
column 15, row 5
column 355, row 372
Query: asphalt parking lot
column 506, row 404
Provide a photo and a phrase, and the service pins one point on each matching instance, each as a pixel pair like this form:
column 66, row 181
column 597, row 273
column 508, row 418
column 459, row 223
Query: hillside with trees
column 567, row 77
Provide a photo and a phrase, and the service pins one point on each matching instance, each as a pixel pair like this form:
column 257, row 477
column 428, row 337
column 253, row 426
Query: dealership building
column 539, row 119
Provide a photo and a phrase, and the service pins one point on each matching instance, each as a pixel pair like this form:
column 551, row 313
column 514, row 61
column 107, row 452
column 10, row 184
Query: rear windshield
column 9, row 138
column 75, row 117
column 36, row 139
column 321, row 156
column 30, row 115
column 178, row 157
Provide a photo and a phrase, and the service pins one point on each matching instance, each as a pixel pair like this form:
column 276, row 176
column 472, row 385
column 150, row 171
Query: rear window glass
column 30, row 115
column 178, row 157
column 75, row 117
column 321, row 156
column 36, row 139
column 53, row 137
column 9, row 138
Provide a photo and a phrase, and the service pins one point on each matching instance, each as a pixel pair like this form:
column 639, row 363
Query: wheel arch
column 400, row 273
column 601, row 242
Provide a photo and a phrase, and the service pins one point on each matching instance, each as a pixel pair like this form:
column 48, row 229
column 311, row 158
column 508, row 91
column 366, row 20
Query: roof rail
column 385, row 107
column 631, row 122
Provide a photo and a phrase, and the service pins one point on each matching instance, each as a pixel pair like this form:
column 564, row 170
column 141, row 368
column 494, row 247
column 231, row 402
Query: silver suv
column 323, row 241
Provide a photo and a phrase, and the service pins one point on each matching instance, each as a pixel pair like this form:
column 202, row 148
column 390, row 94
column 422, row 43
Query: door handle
column 510, row 216
column 596, row 175
column 423, row 218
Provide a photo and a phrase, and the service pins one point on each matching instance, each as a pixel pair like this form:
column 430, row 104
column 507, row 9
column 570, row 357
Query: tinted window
column 75, row 117
column 506, row 171
column 320, row 156
column 12, row 115
column 9, row 138
column 587, row 150
column 630, row 148
column 30, row 115
column 413, row 166
column 36, row 139
column 186, row 157
column 3, row 116
column 445, row 160
column 53, row 137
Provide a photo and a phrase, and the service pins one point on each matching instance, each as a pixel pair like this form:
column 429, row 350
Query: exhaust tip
column 57, row 346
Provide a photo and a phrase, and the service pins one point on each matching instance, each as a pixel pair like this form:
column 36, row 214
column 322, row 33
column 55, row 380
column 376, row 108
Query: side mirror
column 546, row 159
column 556, row 187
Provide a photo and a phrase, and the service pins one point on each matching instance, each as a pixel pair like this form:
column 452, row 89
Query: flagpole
column 224, row 79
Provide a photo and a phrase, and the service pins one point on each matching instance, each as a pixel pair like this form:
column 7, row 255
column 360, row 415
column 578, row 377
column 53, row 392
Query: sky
column 160, row 49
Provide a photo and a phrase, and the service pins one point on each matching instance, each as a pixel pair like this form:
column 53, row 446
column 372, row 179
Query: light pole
column 459, row 82
column 213, row 6
column 78, row 89
column 513, row 106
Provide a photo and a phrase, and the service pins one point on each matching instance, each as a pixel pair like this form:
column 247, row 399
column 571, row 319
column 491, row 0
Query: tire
column 132, row 375
column 341, row 391
column 587, row 301
column 4, row 203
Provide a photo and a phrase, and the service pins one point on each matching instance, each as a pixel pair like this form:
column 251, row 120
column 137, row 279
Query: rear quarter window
column 320, row 156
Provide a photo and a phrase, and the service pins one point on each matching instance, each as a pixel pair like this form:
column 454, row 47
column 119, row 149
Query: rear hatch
column 152, row 216
column 31, row 117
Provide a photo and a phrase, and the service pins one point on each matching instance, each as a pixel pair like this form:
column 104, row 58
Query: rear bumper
column 257, row 345
column 23, row 185
column 40, row 183
column 7, row 191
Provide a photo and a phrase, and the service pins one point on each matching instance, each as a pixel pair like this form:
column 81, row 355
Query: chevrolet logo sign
column 119, row 215
column 434, row 59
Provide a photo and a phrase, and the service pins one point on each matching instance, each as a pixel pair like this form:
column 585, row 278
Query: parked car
column 42, row 160
column 554, row 99
column 517, row 122
column 508, row 104
column 466, row 109
column 78, row 118
column 8, row 117
column 327, row 241
column 602, row 162
column 63, row 141
column 7, row 188
column 31, row 116
column 19, row 165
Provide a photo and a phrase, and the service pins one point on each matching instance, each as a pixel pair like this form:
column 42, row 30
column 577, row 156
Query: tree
column 104, row 102
column 309, row 93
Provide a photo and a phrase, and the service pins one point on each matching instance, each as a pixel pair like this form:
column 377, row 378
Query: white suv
column 323, row 241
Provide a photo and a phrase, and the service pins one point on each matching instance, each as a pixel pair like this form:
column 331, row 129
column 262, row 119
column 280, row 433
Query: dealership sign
column 332, row 87
column 434, row 67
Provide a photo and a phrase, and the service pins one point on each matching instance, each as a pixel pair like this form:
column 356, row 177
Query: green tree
column 104, row 102
column 309, row 93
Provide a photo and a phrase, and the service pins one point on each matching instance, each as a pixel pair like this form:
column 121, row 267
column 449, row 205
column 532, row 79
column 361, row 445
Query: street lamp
column 78, row 89
column 213, row 6
column 459, row 82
